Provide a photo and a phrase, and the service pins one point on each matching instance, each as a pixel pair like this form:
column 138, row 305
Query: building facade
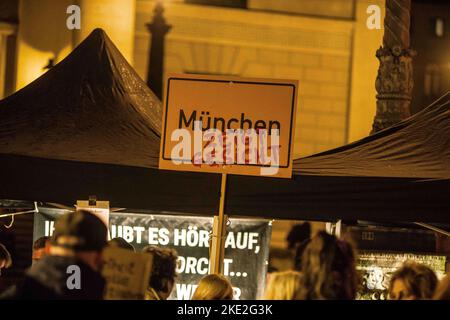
column 324, row 44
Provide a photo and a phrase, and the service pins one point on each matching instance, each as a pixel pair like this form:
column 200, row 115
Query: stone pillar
column 158, row 28
column 6, row 30
column 42, row 36
column 394, row 82
column 116, row 17
column 363, row 71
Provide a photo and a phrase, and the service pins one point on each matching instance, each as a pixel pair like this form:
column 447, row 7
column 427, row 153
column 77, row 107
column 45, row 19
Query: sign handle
column 219, row 233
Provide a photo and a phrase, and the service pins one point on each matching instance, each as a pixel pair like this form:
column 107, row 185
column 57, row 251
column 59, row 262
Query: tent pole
column 16, row 214
column 35, row 210
column 219, row 233
column 436, row 229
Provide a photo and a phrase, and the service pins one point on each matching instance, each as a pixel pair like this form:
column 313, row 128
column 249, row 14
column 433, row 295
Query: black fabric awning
column 399, row 174
column 418, row 148
column 303, row 197
column 90, row 126
column 90, row 107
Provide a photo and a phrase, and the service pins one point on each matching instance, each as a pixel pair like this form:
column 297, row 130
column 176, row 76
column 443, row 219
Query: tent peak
column 99, row 32
column 90, row 107
column 98, row 37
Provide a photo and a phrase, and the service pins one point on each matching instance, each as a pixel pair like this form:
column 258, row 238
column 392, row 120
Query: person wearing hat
column 121, row 243
column 72, row 269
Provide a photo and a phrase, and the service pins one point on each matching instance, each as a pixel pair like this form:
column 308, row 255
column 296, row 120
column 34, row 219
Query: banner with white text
column 246, row 247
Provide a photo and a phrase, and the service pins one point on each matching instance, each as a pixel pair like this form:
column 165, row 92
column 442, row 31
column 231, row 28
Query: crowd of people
column 325, row 270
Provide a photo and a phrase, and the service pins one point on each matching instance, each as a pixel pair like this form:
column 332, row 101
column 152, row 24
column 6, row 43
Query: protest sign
column 100, row 209
column 126, row 273
column 229, row 125
column 246, row 246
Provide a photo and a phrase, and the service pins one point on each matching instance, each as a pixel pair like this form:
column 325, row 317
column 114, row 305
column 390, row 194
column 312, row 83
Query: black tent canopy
column 399, row 174
column 91, row 107
column 91, row 126
column 418, row 147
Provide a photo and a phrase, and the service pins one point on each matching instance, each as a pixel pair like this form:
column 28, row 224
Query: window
column 438, row 27
column 432, row 81
column 7, row 59
column 221, row 3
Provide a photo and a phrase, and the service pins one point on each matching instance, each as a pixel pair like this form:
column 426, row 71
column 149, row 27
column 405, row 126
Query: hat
column 121, row 243
column 81, row 231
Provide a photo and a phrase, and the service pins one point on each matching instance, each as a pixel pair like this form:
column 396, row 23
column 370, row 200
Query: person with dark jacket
column 72, row 270
column 163, row 274
column 328, row 269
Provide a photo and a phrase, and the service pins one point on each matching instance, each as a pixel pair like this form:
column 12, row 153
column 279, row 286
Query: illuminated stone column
column 363, row 71
column 42, row 35
column 116, row 17
column 394, row 82
column 158, row 29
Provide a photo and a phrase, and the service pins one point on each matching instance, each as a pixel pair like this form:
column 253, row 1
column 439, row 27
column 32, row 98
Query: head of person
column 162, row 279
column 298, row 234
column 121, row 243
column 41, row 248
column 213, row 287
column 5, row 258
column 299, row 254
column 412, row 281
column 443, row 289
column 82, row 235
column 283, row 285
column 328, row 269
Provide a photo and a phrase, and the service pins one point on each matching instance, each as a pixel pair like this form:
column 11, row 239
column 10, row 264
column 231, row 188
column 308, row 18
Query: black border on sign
column 233, row 81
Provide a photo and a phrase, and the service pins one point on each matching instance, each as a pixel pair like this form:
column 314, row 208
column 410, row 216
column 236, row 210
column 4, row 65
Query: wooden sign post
column 219, row 234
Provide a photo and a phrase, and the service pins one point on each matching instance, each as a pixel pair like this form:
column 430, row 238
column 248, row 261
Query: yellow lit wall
column 327, row 8
column 364, row 72
column 116, row 17
column 333, row 58
column 42, row 35
column 263, row 44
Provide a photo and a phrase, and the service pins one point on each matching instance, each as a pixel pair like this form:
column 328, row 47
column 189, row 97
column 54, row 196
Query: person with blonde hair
column 413, row 281
column 283, row 285
column 213, row 287
column 443, row 289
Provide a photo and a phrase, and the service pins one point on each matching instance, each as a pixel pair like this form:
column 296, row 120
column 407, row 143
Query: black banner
column 246, row 246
